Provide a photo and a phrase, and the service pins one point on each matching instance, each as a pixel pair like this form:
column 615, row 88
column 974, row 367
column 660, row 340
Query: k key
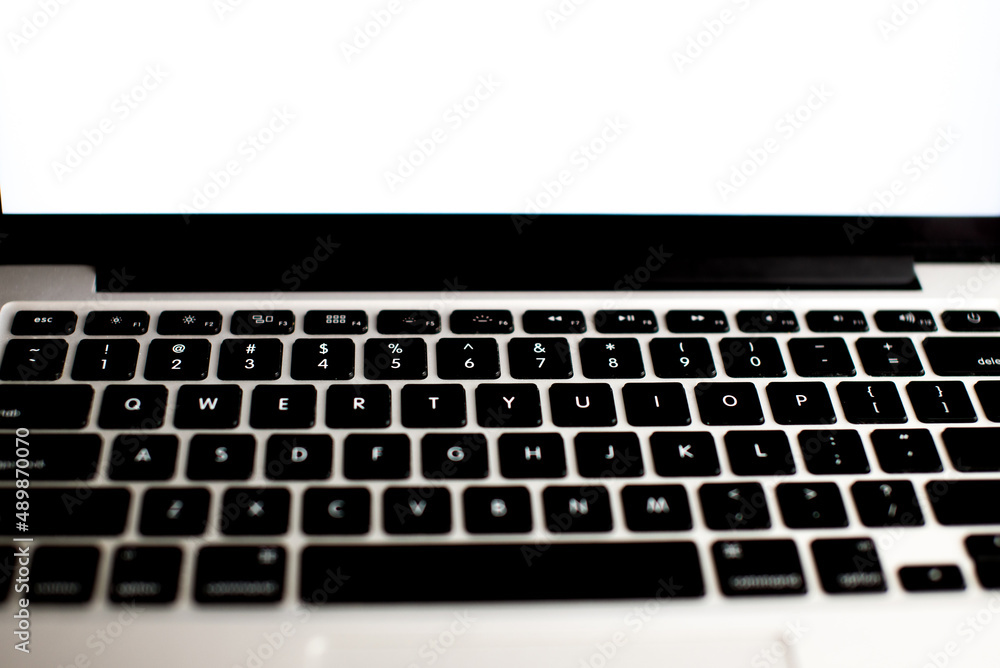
column 684, row 453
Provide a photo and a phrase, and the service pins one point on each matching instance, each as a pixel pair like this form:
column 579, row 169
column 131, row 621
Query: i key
column 611, row 358
column 656, row 405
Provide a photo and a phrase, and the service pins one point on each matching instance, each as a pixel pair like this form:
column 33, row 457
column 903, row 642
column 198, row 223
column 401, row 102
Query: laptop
column 578, row 334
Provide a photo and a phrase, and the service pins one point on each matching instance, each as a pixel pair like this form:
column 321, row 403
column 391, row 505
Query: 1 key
column 108, row 359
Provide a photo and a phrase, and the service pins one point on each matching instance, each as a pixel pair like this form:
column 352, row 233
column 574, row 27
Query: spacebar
column 511, row 572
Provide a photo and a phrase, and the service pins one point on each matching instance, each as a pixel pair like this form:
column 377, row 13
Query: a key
column 985, row 552
column 889, row 357
column 105, row 359
column 816, row 505
column 973, row 449
column 339, row 323
column 800, row 403
column 179, row 359
column 532, row 456
column 816, row 358
column 682, row 358
column 697, row 322
column 608, row 455
column 759, row 453
column 250, row 359
column 454, row 456
column 906, row 451
column 358, row 406
column 848, row 565
column 145, row 574
column 766, row 322
column 220, row 456
column 656, row 405
column 497, row 510
column 626, row 322
column 871, row 403
column 656, row 508
column 52, row 456
column 422, row 510
column 611, row 358
column 504, row 406
column 728, row 404
column 837, row 321
column 247, row 511
column 539, row 358
column 133, row 407
column 461, row 359
column 247, row 323
column 143, row 457
column 298, row 457
column 971, row 321
column 433, row 406
column 32, row 406
column 883, row 503
column 207, row 406
column 174, row 511
column 65, row 511
column 395, row 359
column 481, row 322
column 189, row 323
column 833, row 451
column 240, row 574
column 323, row 359
column 943, row 577
column 408, row 322
column 116, row 323
column 336, row 511
column 963, row 355
column 577, row 509
column 734, row 506
column 63, row 574
column 554, row 322
column 684, row 453
column 905, row 321
column 582, row 405
column 961, row 502
column 43, row 323
column 988, row 392
column 283, row 407
column 944, row 401
column 751, row 358
column 758, row 567
column 376, row 456
column 33, row 359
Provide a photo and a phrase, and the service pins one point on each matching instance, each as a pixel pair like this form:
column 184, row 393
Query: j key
column 433, row 405
column 608, row 455
column 67, row 512
column 497, row 510
column 145, row 574
column 887, row 503
column 299, row 457
column 33, row 359
column 517, row 572
column 208, row 406
column 395, row 359
column 751, row 358
column 539, row 358
column 800, row 403
column 408, row 322
column 656, row 405
column 345, row 510
column 52, row 456
column 143, row 457
column 971, row 321
column 656, row 508
column 335, row 322
column 682, row 358
column 33, row 406
column 985, row 551
column 728, row 404
column 848, row 565
column 63, row 574
column 906, row 451
column 241, row 574
column 871, row 403
column 988, row 392
column 759, row 453
column 246, row 323
column 505, row 406
column 905, row 321
column 254, row 512
column 459, row 359
column 611, row 358
column 973, row 449
column 758, row 568
column 283, row 407
column 625, row 322
column 189, row 323
column 697, row 322
column 964, row 356
column 684, row 453
column 812, row 505
column 821, row 357
column 734, row 506
column 250, row 359
column 110, row 323
column 889, row 357
column 323, row 359
column 358, row 406
column 453, row 456
column 532, row 456
column 577, row 509
column 945, row 401
column 554, row 322
column 133, row 407
column 43, row 323
column 220, row 457
column 963, row 502
column 766, row 322
column 174, row 511
column 178, row 359
column 582, row 405
column 837, row 321
column 376, row 457
column 107, row 359
column 932, row 578
column 482, row 322
column 416, row 511
column 833, row 451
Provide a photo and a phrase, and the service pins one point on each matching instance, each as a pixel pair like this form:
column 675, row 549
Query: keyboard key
column 336, row 511
column 408, row 322
column 554, row 322
column 611, row 358
column 767, row 322
column 179, row 359
column 884, row 503
column 250, row 359
column 815, row 505
column 505, row 406
column 254, row 512
column 871, row 403
column 889, row 357
column 682, row 358
column 52, row 456
column 821, row 357
column 416, row 511
column 964, row 356
column 848, row 565
column 66, row 511
column 837, row 321
column 833, row 451
column 43, row 323
column 133, row 407
column 143, row 457
column 341, row 323
column 728, row 404
column 63, row 574
column 945, row 401
column 461, row 359
column 433, row 406
column 905, row 321
column 208, row 406
column 656, row 405
column 752, row 358
column 942, row 577
column 608, row 455
column 800, row 403
column 697, row 322
column 454, row 456
column 497, row 510
column 34, row 406
column 684, row 453
column 906, row 451
column 577, row 509
column 759, row 453
column 965, row 501
column 105, row 359
column 758, row 567
column 358, row 406
column 988, row 392
column 582, row 405
column 532, row 456
column 656, row 508
column 481, row 322
column 174, row 511
column 395, row 359
column 734, row 506
column 33, row 359
column 377, row 456
column 971, row 321
column 625, row 322
column 283, row 407
column 189, row 323
column 539, row 358
column 221, row 456
column 323, row 359
column 985, row 551
column 299, row 457
column 247, row 323
column 242, row 574
column 111, row 323
column 145, row 574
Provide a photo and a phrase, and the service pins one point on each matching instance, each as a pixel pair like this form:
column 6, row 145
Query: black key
column 358, row 406
column 656, row 508
column 8, row 567
column 133, row 407
column 532, row 456
column 52, row 456
column 477, row 359
column 728, row 404
column 837, row 321
column 395, row 359
column 821, row 357
column 932, row 578
column 815, row 505
column 454, row 456
column 416, row 511
column 906, row 451
column 376, row 457
column 63, row 574
column 752, row 358
column 33, row 359
column 254, row 512
column 323, row 359
column 34, row 406
column 408, row 322
column 43, row 323
column 682, row 358
column 247, row 323
column 539, row 358
column 964, row 356
column 971, row 321
column 800, row 403
column 871, row 403
column 481, row 322
column 178, row 359
column 988, row 392
column 684, row 453
column 174, row 511
column 143, row 457
column 145, row 574
column 759, row 453
column 558, row 571
column 433, row 406
column 889, row 357
column 111, row 323
column 582, row 405
column 497, row 510
column 220, row 456
column 250, row 359
column 299, row 457
column 208, row 406
column 554, row 322
column 848, row 565
column 883, row 503
column 608, row 455
column 833, row 451
column 905, row 321
column 697, row 322
column 189, row 323
column 283, row 407
column 766, row 322
column 611, row 358
column 335, row 322
column 105, row 359
column 241, row 574
column 734, row 506
column 625, row 322
column 985, row 551
column 656, row 405
column 577, row 509
column 505, row 406
column 945, row 401
column 758, row 568
column 965, row 501
column 66, row 511
column 344, row 510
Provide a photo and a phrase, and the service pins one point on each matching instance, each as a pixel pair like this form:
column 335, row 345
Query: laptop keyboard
column 324, row 456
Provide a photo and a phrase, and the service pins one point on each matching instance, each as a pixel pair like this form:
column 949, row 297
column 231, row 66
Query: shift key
column 964, row 356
